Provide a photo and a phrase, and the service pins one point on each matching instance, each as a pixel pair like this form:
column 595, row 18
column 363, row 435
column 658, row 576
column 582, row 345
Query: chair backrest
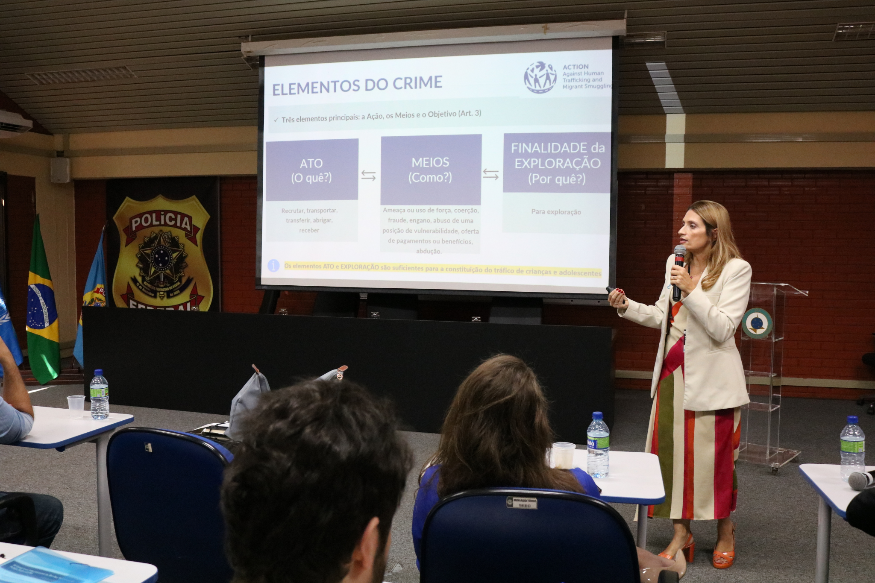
column 517, row 534
column 165, row 487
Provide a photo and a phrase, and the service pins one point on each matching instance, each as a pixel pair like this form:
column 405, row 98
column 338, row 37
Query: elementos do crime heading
column 348, row 85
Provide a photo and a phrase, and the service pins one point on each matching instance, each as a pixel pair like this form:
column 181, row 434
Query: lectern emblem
column 756, row 323
column 161, row 263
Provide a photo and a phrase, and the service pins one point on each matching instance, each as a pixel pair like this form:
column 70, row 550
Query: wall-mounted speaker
column 60, row 170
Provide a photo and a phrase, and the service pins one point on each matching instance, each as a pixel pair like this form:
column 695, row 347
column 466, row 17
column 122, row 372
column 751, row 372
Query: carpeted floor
column 776, row 517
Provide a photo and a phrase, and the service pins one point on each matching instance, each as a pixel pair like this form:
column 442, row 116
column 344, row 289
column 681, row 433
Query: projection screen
column 485, row 168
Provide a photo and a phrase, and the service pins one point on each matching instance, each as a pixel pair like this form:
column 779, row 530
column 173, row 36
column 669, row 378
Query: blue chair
column 498, row 535
column 165, row 488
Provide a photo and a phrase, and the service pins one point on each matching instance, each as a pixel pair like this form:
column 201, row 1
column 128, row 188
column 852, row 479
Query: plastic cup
column 76, row 403
column 563, row 455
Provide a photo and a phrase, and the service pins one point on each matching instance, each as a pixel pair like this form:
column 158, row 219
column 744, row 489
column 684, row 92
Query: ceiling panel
column 723, row 56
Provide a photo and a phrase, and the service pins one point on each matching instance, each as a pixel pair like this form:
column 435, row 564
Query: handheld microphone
column 861, row 480
column 679, row 252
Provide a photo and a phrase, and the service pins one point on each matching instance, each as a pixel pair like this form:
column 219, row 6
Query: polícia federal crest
column 161, row 264
column 161, row 260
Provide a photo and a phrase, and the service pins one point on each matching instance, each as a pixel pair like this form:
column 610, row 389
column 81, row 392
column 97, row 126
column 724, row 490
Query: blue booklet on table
column 40, row 565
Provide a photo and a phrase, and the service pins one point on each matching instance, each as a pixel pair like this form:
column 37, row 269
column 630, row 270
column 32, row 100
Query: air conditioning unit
column 12, row 124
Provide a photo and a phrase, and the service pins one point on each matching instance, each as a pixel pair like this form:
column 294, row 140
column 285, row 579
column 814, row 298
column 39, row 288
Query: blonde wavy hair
column 723, row 247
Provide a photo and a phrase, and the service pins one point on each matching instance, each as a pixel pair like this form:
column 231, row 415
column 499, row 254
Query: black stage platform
column 198, row 361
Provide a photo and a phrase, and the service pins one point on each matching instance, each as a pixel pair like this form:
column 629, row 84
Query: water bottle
column 853, row 448
column 598, row 447
column 99, row 396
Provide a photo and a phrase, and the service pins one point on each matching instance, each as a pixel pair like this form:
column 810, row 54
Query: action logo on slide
column 540, row 77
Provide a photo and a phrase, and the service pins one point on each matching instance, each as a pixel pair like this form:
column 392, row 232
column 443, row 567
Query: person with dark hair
column 314, row 485
column 496, row 434
column 16, row 421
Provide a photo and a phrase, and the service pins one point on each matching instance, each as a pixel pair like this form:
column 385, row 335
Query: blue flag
column 94, row 295
column 7, row 333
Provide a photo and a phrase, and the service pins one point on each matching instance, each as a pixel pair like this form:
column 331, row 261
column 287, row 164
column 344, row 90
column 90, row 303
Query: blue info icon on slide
column 273, row 265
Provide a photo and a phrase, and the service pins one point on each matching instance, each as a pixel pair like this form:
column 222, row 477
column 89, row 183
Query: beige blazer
column 713, row 373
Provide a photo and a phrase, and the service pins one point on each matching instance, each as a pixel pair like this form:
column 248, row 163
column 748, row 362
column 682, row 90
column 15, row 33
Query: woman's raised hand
column 617, row 299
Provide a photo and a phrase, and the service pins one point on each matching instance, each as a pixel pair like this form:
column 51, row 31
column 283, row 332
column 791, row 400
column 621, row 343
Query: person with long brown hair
column 698, row 380
column 496, row 434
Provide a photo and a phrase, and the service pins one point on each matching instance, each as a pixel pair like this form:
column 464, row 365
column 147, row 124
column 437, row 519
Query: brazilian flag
column 43, row 347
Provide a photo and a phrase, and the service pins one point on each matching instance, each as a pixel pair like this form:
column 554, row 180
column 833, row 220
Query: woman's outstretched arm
column 650, row 316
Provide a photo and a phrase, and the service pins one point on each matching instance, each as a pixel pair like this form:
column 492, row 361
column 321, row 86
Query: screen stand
column 393, row 306
column 336, row 304
column 516, row 310
column 268, row 301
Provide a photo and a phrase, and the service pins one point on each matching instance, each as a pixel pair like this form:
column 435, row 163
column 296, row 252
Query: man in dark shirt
column 314, row 485
column 16, row 420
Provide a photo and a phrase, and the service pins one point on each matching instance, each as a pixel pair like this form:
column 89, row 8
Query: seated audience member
column 496, row 434
column 861, row 511
column 313, row 487
column 16, row 420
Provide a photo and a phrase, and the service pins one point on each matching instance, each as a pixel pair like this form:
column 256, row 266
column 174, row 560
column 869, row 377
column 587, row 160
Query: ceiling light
column 81, row 75
column 854, row 31
column 648, row 40
column 668, row 95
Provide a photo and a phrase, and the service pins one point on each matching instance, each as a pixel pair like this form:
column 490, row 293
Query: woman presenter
column 698, row 380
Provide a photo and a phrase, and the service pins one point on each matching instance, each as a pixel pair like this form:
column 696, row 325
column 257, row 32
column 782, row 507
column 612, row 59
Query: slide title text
column 347, row 85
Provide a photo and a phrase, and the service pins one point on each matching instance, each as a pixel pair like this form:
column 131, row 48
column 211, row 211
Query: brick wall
column 239, row 208
column 807, row 229
column 811, row 230
column 814, row 231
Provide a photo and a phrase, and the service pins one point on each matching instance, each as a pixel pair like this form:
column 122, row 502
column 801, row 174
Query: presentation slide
column 479, row 172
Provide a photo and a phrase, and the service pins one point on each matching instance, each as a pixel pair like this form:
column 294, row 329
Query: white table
column 835, row 494
column 634, row 477
column 123, row 571
column 55, row 429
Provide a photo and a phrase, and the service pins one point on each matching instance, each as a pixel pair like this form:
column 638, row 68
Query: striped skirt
column 697, row 449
